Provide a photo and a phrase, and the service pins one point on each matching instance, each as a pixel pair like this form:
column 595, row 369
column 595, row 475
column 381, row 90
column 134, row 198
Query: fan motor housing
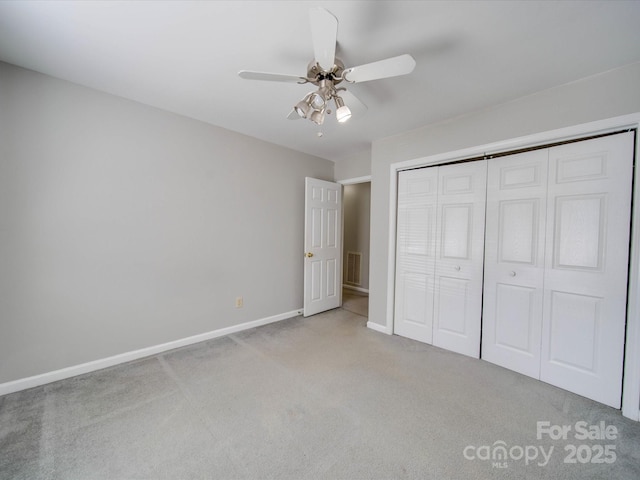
column 315, row 73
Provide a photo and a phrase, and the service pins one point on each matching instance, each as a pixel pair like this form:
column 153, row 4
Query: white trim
column 391, row 261
column 631, row 379
column 379, row 328
column 351, row 181
column 631, row 382
column 543, row 138
column 37, row 380
column 357, row 289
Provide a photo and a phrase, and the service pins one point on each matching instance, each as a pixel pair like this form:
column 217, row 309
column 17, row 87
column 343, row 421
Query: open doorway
column 356, row 239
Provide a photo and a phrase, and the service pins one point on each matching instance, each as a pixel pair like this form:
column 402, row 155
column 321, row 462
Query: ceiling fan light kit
column 326, row 71
column 303, row 107
column 343, row 113
column 317, row 117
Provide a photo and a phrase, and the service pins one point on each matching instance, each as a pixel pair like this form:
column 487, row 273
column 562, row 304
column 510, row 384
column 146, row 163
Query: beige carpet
column 355, row 302
column 316, row 398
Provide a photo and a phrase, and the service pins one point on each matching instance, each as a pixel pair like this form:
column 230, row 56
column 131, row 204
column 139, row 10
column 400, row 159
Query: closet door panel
column 516, row 321
column 514, row 261
column 415, row 251
column 588, row 220
column 459, row 257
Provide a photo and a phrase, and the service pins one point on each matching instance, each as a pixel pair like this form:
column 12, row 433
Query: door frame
column 631, row 367
column 353, row 181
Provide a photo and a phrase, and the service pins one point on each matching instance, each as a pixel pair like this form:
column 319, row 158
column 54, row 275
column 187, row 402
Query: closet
column 439, row 255
column 528, row 265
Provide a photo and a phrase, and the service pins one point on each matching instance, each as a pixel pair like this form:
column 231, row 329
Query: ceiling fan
column 326, row 72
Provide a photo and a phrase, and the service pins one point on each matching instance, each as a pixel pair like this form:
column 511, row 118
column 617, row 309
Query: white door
column 460, row 221
column 514, row 261
column 586, row 264
column 322, row 246
column 415, row 253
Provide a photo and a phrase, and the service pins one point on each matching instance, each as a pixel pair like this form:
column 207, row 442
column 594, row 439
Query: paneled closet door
column 514, row 261
column 415, row 253
column 586, row 265
column 459, row 257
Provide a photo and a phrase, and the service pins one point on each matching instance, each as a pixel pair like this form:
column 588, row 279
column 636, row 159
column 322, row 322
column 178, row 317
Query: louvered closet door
column 459, row 257
column 415, row 253
column 514, row 261
column 586, row 264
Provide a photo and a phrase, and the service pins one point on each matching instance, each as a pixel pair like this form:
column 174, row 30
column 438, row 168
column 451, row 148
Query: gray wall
column 354, row 166
column 123, row 226
column 357, row 208
column 607, row 95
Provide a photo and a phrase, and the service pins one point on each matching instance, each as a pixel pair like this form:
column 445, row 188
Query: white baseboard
column 42, row 379
column 357, row 289
column 379, row 328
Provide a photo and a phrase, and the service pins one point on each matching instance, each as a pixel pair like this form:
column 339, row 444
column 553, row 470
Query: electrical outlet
column 239, row 302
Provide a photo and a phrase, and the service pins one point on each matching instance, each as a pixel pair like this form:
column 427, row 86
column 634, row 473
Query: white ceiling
column 184, row 56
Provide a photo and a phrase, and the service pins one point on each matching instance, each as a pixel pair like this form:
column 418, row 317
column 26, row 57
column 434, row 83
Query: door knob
column 513, row 274
column 457, row 267
column 308, row 254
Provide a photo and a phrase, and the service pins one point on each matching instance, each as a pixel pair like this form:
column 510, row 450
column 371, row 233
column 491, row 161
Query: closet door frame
column 631, row 381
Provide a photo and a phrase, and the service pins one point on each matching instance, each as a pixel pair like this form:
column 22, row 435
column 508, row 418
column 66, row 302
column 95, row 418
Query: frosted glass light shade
column 343, row 114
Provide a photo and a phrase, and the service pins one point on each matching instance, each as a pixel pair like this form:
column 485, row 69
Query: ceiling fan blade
column 271, row 77
column 353, row 102
column 391, row 67
column 324, row 33
column 293, row 115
